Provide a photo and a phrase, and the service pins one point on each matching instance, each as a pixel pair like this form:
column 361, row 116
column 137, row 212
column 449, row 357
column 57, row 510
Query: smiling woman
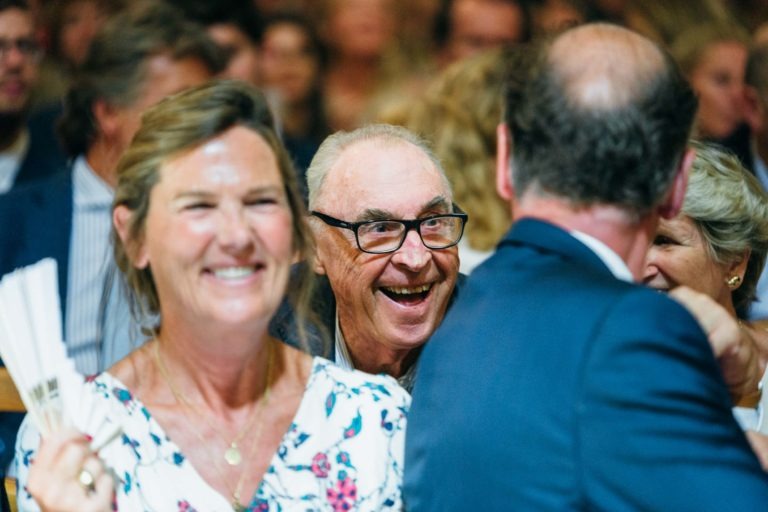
column 717, row 245
column 215, row 413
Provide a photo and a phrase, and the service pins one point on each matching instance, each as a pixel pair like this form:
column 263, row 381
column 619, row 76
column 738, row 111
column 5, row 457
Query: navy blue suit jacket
column 551, row 385
column 45, row 156
column 36, row 223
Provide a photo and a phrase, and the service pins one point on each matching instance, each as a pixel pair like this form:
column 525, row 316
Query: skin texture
column 55, row 484
column 18, row 73
column 398, row 181
column 719, row 82
column 679, row 256
column 224, row 214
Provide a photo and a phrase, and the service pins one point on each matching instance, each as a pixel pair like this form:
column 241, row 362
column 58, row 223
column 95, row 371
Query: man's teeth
column 402, row 290
column 233, row 272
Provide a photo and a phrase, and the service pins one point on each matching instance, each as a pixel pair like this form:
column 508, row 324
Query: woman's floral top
column 343, row 451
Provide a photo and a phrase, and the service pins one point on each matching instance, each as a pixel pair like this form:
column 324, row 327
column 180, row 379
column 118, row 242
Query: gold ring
column 87, row 481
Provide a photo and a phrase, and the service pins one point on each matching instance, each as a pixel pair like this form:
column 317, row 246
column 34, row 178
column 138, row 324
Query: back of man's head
column 115, row 67
column 603, row 119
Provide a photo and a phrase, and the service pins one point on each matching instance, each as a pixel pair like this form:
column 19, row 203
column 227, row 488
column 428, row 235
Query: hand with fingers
column 733, row 344
column 67, row 476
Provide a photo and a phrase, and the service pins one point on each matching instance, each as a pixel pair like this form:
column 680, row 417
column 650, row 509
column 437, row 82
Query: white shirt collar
column 343, row 359
column 612, row 260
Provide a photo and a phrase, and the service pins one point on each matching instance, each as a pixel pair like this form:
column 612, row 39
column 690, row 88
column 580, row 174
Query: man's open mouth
column 407, row 294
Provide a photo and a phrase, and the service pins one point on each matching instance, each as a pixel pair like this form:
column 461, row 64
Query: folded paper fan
column 32, row 348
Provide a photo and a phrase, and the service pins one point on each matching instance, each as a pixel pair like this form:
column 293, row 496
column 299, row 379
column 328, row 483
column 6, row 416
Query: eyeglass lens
column 387, row 235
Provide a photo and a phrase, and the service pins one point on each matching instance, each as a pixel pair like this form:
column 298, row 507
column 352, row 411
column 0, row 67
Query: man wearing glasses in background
column 27, row 153
column 386, row 230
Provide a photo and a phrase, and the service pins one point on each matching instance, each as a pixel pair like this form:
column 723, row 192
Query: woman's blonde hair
column 730, row 209
column 459, row 114
column 178, row 125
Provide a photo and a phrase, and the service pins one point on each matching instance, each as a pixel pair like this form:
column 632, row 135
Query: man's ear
column 107, row 117
column 317, row 264
column 121, row 217
column 317, row 259
column 739, row 267
column 504, row 185
column 676, row 195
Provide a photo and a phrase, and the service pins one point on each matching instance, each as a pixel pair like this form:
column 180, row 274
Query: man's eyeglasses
column 383, row 236
column 26, row 46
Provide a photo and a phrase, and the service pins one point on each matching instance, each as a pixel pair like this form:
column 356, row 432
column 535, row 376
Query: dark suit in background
column 44, row 157
column 37, row 223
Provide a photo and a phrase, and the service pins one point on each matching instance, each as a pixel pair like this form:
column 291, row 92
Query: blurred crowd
column 331, row 65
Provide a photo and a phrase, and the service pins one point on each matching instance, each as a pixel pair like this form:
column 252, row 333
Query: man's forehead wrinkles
column 384, row 214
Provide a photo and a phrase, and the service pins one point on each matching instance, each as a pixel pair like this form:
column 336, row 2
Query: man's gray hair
column 334, row 145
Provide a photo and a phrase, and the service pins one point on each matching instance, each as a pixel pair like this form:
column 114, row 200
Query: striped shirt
column 97, row 326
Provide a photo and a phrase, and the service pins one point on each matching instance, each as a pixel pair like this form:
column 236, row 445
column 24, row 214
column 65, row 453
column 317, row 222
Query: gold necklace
column 232, row 455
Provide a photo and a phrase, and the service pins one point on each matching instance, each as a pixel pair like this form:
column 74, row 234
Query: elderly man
column 386, row 231
column 554, row 382
column 28, row 150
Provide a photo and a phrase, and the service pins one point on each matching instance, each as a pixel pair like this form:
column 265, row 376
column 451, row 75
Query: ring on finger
column 87, row 481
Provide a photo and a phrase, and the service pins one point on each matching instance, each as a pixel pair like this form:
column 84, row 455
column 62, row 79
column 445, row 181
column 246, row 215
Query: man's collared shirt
column 613, row 261
column 11, row 159
column 97, row 327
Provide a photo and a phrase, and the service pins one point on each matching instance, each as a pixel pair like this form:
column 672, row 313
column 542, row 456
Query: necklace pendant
column 232, row 455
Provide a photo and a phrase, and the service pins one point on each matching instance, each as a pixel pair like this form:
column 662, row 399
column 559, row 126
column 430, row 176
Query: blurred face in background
column 80, row 22
column 19, row 60
column 718, row 79
column 478, row 25
column 289, row 64
column 243, row 63
column 360, row 28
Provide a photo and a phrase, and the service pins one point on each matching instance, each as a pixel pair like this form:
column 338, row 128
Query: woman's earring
column 733, row 282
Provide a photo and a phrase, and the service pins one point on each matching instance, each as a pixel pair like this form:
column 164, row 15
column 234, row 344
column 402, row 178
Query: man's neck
column 372, row 357
column 10, row 129
column 102, row 158
column 614, row 227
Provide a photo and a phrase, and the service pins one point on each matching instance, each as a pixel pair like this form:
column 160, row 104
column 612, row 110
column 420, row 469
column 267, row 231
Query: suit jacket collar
column 548, row 237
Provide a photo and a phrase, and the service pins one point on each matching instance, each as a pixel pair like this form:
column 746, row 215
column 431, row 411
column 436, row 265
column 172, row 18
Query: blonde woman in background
column 459, row 114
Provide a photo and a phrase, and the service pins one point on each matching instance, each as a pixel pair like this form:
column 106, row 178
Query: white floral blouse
column 343, row 451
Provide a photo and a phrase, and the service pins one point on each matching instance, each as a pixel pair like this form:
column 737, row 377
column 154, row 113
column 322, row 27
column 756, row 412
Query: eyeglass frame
column 27, row 46
column 410, row 224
